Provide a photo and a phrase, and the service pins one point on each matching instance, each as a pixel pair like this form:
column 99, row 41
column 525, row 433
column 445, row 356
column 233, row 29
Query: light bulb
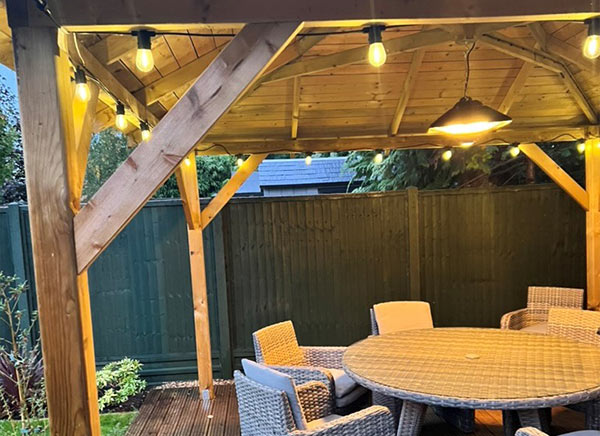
column 591, row 46
column 467, row 144
column 144, row 61
column 187, row 161
column 120, row 121
column 581, row 147
column 378, row 158
column 82, row 90
column 447, row 155
column 377, row 53
column 514, row 151
column 308, row 159
column 145, row 128
column 240, row 161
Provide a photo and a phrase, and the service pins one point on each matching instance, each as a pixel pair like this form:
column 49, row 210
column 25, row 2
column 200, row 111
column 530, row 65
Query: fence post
column 18, row 258
column 225, row 353
column 413, row 243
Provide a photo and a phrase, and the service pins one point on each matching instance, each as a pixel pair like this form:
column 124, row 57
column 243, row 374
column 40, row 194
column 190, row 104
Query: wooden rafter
column 407, row 88
column 231, row 187
column 415, row 41
column 547, row 61
column 556, row 173
column 571, row 54
column 295, row 107
column 112, row 48
column 150, row 164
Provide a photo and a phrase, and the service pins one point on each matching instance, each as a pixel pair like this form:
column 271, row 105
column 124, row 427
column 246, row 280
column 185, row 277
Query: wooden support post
column 556, row 173
column 231, row 187
column 592, row 181
column 45, row 95
column 187, row 181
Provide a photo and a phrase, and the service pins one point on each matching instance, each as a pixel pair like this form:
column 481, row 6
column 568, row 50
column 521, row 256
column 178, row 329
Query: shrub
column 22, row 389
column 119, row 381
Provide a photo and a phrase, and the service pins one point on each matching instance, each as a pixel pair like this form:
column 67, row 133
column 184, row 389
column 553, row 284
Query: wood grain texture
column 231, row 187
column 217, row 89
column 556, row 173
column 45, row 101
column 187, row 182
column 592, row 222
column 409, row 83
column 295, row 108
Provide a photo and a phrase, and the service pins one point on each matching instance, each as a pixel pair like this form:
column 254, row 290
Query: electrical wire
column 468, row 67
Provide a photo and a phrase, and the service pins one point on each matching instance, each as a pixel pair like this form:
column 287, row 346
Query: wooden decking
column 180, row 411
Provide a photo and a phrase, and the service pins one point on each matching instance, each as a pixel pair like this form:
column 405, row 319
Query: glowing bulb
column 187, row 161
column 82, row 90
column 120, row 121
column 378, row 158
column 467, row 144
column 377, row 53
column 308, row 159
column 144, row 61
column 581, row 147
column 240, row 161
column 145, row 128
column 514, row 151
column 447, row 155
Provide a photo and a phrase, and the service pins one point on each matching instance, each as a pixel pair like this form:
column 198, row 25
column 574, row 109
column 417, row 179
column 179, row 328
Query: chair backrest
column 540, row 299
column 277, row 345
column 579, row 325
column 262, row 410
column 396, row 316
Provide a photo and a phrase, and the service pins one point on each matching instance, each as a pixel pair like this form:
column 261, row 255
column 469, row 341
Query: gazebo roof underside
column 339, row 101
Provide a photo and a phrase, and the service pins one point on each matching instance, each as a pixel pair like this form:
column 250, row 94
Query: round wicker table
column 475, row 369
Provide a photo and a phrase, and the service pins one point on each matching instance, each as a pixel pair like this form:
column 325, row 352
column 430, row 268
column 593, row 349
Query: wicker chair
column 532, row 431
column 266, row 412
column 539, row 301
column 277, row 347
column 583, row 326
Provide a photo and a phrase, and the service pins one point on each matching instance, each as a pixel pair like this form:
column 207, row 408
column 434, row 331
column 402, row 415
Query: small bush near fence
column 119, row 381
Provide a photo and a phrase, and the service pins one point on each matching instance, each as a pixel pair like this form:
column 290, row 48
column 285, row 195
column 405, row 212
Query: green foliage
column 119, row 381
column 213, row 172
column 12, row 174
column 108, row 150
column 111, row 424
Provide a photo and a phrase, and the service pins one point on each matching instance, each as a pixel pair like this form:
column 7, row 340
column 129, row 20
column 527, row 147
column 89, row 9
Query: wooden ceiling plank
column 407, row 88
column 112, row 48
column 151, row 163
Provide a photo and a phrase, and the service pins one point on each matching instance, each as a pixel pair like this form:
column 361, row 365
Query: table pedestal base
column 411, row 418
column 512, row 420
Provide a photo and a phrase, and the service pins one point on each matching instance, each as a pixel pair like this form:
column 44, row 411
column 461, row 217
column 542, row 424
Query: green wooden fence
column 320, row 261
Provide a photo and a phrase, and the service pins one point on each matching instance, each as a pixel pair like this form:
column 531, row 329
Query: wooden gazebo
column 295, row 80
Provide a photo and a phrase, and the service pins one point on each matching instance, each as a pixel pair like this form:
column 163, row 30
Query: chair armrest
column 305, row 374
column 315, row 399
column 530, row 431
column 375, row 420
column 515, row 320
column 326, row 357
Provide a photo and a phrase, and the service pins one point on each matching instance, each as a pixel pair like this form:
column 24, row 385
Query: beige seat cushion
column 541, row 327
column 396, row 316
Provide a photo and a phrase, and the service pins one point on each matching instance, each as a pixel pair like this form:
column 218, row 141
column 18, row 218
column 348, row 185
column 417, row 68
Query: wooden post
column 592, row 181
column 45, row 95
column 187, row 181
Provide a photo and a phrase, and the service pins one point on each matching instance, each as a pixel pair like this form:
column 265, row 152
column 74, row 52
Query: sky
column 9, row 77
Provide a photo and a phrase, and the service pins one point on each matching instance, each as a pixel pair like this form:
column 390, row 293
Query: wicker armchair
column 277, row 347
column 266, row 412
column 582, row 326
column 532, row 431
column 539, row 301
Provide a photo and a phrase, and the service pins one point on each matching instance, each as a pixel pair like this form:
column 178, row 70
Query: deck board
column 181, row 412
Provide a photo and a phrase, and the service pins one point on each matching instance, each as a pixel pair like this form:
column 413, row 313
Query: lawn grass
column 113, row 424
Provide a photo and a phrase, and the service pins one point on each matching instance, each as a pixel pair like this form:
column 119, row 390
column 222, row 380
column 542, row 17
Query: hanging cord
column 468, row 67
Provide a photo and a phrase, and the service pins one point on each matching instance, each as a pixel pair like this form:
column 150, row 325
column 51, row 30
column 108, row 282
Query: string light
column 120, row 121
column 581, row 147
column 144, row 61
column 377, row 53
column 308, row 158
column 467, row 144
column 447, row 155
column 378, row 158
column 145, row 128
column 240, row 160
column 591, row 46
column 82, row 90
column 514, row 151
column 187, row 161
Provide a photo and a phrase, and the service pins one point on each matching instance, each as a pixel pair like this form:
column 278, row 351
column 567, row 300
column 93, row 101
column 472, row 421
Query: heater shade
column 469, row 117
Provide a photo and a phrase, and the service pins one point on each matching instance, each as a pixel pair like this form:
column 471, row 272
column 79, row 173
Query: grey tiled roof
column 294, row 172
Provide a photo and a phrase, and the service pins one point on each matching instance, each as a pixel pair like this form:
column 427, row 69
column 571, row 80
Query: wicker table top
column 477, row 368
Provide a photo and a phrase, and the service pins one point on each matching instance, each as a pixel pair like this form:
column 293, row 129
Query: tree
column 12, row 170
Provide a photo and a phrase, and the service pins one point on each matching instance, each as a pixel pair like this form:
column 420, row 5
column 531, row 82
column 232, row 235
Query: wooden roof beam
column 112, row 48
column 407, row 88
column 547, row 61
column 151, row 163
column 295, row 108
